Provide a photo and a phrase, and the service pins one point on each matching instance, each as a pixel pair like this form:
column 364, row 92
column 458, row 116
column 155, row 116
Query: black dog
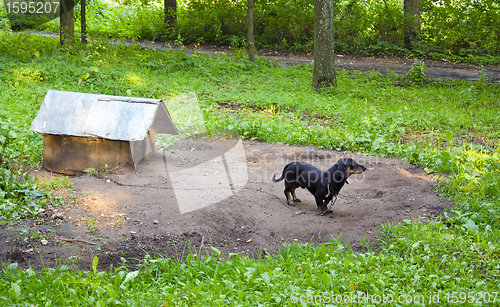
column 323, row 185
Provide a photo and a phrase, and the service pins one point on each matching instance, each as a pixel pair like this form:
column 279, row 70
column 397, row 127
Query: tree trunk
column 170, row 13
column 250, row 38
column 412, row 22
column 67, row 23
column 83, row 21
column 324, row 56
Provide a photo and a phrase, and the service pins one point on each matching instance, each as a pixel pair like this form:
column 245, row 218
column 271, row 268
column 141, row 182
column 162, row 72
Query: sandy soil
column 201, row 193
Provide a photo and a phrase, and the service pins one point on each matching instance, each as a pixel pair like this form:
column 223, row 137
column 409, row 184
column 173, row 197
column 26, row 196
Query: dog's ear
column 340, row 174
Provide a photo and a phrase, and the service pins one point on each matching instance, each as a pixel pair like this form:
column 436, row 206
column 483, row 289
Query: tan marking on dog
column 290, row 202
column 358, row 170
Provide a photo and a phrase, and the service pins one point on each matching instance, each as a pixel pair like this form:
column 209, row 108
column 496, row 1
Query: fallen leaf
column 352, row 286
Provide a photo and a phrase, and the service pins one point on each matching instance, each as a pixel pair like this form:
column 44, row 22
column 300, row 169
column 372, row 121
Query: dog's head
column 346, row 167
column 351, row 166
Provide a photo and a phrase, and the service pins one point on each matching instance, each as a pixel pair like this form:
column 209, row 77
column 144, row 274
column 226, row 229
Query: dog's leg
column 289, row 198
column 320, row 204
column 325, row 204
column 295, row 199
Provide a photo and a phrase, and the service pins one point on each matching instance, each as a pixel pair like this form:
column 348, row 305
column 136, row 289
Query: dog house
column 82, row 131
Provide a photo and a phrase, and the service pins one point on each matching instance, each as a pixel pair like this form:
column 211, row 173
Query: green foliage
column 221, row 21
column 135, row 20
column 273, row 27
column 7, row 134
column 374, row 27
column 17, row 196
column 17, row 191
column 417, row 73
column 462, row 31
column 4, row 20
column 415, row 260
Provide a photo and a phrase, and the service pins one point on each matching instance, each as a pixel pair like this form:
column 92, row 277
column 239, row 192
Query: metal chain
column 329, row 206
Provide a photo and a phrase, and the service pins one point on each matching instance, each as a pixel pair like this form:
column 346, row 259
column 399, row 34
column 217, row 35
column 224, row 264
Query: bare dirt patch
column 401, row 65
column 127, row 213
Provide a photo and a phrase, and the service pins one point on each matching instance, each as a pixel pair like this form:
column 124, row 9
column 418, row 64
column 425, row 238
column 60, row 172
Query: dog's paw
column 328, row 211
column 296, row 200
column 291, row 204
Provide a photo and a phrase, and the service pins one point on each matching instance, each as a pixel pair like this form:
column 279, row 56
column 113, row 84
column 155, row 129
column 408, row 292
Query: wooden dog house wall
column 82, row 131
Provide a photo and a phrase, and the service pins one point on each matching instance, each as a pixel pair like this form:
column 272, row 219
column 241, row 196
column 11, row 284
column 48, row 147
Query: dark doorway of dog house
column 82, row 131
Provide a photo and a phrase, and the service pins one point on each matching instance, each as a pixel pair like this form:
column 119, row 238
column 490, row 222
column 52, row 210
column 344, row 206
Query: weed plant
column 449, row 127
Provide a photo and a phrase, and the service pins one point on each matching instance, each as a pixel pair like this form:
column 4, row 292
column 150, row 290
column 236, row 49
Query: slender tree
column 412, row 22
column 170, row 13
column 83, row 21
column 250, row 38
column 324, row 56
column 67, row 22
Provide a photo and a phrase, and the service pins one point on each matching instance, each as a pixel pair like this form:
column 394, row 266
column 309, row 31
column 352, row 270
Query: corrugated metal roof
column 109, row 117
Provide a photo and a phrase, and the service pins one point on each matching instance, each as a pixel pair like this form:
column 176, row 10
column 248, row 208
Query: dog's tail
column 279, row 179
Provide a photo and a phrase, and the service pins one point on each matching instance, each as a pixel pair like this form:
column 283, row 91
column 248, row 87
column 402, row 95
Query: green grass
column 416, row 260
column 449, row 127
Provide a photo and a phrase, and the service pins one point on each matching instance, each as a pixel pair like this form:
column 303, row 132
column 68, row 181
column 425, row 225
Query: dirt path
column 436, row 69
column 128, row 213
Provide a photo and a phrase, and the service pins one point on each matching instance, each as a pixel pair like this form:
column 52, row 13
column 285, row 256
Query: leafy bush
column 213, row 21
column 4, row 19
column 417, row 73
column 285, row 24
column 462, row 28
